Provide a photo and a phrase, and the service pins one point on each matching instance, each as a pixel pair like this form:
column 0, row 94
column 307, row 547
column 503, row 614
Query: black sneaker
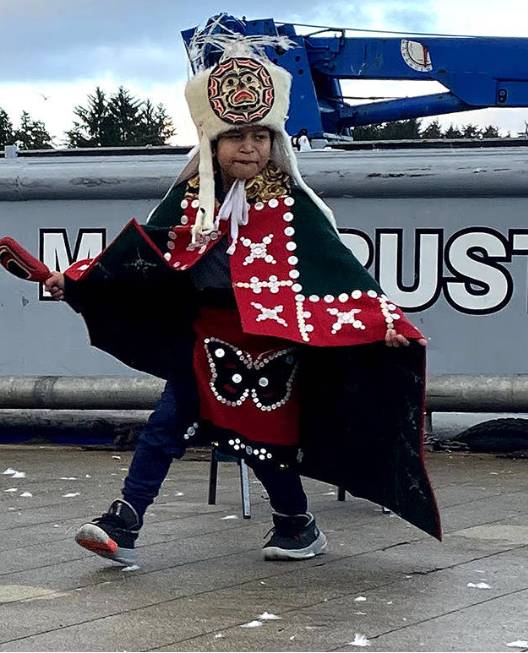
column 294, row 537
column 113, row 534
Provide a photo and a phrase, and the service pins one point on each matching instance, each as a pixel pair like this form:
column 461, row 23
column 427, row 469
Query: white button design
column 269, row 313
column 345, row 317
column 258, row 250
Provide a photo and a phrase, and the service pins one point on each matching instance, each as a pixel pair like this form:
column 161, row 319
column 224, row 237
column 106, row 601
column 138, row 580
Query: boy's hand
column 394, row 339
column 55, row 285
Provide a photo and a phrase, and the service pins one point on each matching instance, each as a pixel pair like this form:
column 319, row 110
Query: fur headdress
column 243, row 89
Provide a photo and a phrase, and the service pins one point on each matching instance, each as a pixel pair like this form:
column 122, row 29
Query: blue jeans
column 161, row 440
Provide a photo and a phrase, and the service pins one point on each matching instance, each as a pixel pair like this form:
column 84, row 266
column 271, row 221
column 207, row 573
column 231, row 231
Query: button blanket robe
column 360, row 403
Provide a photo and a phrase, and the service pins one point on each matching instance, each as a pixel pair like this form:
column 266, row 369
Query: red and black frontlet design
column 240, row 91
column 18, row 261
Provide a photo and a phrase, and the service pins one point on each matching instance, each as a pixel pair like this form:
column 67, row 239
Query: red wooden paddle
column 20, row 262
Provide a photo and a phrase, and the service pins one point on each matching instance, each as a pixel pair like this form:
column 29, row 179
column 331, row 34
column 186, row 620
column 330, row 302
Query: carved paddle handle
column 17, row 260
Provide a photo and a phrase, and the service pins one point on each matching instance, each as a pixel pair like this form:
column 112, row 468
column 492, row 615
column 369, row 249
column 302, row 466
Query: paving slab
column 202, row 579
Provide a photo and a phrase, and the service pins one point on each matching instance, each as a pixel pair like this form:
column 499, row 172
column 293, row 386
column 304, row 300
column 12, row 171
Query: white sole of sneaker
column 316, row 548
column 94, row 539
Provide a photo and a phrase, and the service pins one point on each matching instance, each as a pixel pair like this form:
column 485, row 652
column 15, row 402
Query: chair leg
column 244, row 486
column 213, row 477
column 341, row 493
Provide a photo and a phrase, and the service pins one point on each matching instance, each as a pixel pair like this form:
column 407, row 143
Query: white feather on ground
column 359, row 640
column 131, row 568
column 252, row 624
column 268, row 616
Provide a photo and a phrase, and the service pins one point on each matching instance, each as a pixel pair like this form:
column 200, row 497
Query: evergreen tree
column 32, row 134
column 366, row 133
column 401, row 130
column 453, row 132
column 155, row 125
column 433, row 130
column 490, row 132
column 125, row 117
column 7, row 133
column 470, row 131
column 389, row 131
column 120, row 120
column 94, row 128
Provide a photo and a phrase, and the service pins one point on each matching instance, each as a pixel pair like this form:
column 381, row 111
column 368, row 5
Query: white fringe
column 235, row 208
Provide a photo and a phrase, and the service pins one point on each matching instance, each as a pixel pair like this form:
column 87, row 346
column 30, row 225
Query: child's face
column 243, row 152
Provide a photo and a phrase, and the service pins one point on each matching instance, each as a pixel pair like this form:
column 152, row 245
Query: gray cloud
column 410, row 20
column 138, row 40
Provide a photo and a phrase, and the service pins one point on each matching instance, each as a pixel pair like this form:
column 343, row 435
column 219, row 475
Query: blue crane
column 477, row 72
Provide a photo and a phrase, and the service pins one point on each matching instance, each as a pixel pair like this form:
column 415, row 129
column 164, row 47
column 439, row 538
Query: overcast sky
column 54, row 52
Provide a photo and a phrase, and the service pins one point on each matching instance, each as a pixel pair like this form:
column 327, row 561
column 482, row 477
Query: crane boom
column 477, row 73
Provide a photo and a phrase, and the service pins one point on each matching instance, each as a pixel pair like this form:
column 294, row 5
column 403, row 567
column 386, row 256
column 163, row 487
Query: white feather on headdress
column 232, row 44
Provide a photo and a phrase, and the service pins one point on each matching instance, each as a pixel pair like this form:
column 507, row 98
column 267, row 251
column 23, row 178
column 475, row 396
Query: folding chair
column 216, row 457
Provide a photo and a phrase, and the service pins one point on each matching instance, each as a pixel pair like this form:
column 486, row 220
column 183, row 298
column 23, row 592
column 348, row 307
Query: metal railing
column 453, row 392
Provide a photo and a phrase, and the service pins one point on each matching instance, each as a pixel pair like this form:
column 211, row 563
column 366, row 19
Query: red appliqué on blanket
column 246, row 383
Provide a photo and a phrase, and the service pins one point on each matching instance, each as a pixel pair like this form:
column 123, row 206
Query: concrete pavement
column 202, row 582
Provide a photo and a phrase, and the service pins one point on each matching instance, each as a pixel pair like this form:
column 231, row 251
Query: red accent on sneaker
column 108, row 547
